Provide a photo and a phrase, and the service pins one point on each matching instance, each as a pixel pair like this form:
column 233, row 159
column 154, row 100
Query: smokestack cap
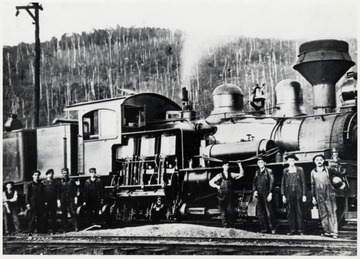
column 323, row 61
column 334, row 45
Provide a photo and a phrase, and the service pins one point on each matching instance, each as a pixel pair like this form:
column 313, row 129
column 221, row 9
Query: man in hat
column 93, row 195
column 293, row 191
column 11, row 208
column 323, row 194
column 263, row 185
column 51, row 189
column 67, row 195
column 224, row 183
column 35, row 203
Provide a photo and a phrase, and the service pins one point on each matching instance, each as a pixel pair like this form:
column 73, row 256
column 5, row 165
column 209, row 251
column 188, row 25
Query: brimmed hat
column 36, row 171
column 49, row 171
column 291, row 156
column 319, row 155
column 261, row 157
column 9, row 182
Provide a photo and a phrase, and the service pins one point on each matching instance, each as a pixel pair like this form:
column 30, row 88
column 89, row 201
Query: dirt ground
column 186, row 230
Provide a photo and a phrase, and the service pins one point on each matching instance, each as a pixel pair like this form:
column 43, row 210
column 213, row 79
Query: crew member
column 11, row 208
column 67, row 199
column 323, row 194
column 92, row 195
column 263, row 185
column 224, row 183
column 35, row 203
column 157, row 210
column 293, row 191
column 51, row 189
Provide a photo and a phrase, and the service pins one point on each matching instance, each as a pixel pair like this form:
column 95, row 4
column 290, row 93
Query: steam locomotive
column 147, row 149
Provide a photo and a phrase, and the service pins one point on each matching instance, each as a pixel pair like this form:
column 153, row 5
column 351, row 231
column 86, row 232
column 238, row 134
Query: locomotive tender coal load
column 145, row 146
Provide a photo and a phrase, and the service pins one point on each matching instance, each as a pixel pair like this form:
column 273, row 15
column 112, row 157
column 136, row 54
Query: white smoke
column 197, row 46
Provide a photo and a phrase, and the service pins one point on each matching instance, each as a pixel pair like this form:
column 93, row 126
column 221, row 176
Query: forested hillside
column 98, row 65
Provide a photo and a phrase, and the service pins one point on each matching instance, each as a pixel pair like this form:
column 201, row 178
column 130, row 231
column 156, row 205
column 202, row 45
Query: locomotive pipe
column 323, row 63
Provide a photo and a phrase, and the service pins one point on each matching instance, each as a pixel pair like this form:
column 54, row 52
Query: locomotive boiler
column 145, row 146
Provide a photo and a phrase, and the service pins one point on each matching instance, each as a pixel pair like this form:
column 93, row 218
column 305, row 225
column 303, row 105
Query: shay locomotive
column 148, row 150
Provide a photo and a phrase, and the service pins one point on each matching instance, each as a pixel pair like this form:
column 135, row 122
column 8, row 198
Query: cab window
column 100, row 124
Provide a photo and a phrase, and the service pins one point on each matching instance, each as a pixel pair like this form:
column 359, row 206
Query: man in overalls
column 323, row 194
column 293, row 191
column 263, row 185
column 224, row 183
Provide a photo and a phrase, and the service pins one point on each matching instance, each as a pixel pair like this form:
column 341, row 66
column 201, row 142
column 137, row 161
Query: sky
column 290, row 19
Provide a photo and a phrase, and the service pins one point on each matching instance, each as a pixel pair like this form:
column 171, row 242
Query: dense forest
column 102, row 63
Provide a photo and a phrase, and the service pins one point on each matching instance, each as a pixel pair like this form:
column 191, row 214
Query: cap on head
column 36, row 171
column 50, row 171
column 291, row 156
column 65, row 170
column 319, row 155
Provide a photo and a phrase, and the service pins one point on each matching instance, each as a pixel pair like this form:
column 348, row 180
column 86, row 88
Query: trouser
column 226, row 210
column 36, row 214
column 68, row 206
column 93, row 208
column 50, row 213
column 295, row 213
column 327, row 212
column 11, row 217
column 265, row 213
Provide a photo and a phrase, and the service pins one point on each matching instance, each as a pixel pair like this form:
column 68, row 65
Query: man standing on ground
column 35, row 203
column 293, row 191
column 67, row 199
column 51, row 189
column 11, row 207
column 323, row 194
column 263, row 185
column 224, row 183
column 93, row 195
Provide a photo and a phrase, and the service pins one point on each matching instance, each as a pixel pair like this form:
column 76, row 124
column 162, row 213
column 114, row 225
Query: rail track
column 68, row 244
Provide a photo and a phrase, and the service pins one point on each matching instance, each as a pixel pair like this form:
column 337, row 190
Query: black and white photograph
column 179, row 127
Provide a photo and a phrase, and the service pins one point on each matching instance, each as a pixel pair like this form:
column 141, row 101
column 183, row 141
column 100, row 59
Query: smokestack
column 323, row 63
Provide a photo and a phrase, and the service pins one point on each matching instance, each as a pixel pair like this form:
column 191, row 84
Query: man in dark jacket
column 93, row 195
column 68, row 192
column 35, row 203
column 51, row 189
column 263, row 185
column 293, row 191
